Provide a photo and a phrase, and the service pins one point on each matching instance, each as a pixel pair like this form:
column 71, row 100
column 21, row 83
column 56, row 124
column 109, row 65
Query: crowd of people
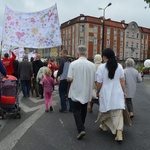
column 78, row 80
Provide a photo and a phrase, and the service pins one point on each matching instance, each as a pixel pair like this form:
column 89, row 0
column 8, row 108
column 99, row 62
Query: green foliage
column 148, row 2
column 139, row 67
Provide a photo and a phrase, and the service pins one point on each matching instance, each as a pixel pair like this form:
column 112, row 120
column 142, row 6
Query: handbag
column 126, row 117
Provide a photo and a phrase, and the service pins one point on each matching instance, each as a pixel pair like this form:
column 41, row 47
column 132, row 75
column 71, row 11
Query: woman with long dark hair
column 111, row 90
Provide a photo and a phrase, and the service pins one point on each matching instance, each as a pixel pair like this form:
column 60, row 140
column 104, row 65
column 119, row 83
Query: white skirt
column 113, row 119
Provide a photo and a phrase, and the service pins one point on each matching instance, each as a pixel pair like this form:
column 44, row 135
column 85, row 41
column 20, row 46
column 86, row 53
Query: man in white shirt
column 81, row 74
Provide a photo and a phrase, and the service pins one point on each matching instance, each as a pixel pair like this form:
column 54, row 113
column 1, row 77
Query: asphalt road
column 37, row 130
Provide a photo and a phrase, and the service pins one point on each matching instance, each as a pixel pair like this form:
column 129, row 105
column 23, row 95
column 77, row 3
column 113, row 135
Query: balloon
column 147, row 63
column 55, row 73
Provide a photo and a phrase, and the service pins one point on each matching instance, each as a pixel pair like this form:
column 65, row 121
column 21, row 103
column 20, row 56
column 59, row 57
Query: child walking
column 48, row 83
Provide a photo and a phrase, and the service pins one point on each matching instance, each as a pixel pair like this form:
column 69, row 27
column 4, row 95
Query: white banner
column 19, row 52
column 31, row 54
column 1, row 28
column 33, row 30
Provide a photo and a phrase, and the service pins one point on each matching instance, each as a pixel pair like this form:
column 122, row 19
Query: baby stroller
column 9, row 102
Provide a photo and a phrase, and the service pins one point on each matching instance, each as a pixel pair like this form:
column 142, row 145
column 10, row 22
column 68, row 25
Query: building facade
column 127, row 40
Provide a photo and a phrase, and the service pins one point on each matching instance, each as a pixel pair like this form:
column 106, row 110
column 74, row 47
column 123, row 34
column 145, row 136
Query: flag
column 33, row 30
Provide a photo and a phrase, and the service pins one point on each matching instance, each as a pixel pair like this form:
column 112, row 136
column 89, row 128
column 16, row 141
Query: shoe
column 62, row 111
column 103, row 127
column 80, row 135
column 51, row 108
column 119, row 137
column 132, row 116
column 46, row 111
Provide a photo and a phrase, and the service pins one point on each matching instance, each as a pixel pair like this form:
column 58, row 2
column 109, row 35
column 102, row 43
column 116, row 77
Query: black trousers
column 79, row 112
column 129, row 104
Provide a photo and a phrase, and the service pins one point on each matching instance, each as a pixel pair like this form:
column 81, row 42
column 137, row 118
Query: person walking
column 2, row 71
column 132, row 77
column 111, row 91
column 48, row 83
column 81, row 75
column 63, row 84
column 37, row 64
column 40, row 76
column 97, row 62
column 8, row 62
column 25, row 74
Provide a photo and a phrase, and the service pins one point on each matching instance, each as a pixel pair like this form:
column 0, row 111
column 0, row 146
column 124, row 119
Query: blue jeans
column 25, row 85
column 63, row 88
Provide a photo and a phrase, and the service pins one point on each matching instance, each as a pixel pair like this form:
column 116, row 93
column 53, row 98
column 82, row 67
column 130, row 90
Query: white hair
column 82, row 49
column 129, row 62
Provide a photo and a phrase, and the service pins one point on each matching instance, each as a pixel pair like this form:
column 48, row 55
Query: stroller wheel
column 3, row 116
column 19, row 116
column 19, row 108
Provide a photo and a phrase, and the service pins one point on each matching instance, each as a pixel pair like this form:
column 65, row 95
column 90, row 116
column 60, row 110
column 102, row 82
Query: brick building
column 127, row 40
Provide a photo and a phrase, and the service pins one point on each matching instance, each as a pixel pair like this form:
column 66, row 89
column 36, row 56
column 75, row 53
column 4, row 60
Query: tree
column 148, row 2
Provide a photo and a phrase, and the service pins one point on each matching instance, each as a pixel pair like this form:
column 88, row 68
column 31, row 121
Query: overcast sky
column 128, row 10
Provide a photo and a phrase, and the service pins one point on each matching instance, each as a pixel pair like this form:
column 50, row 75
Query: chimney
column 123, row 21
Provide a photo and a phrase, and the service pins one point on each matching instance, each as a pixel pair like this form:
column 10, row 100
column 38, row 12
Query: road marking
column 34, row 100
column 11, row 140
column 2, row 124
column 27, row 109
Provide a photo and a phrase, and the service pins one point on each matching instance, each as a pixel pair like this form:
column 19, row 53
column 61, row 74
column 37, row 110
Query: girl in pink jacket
column 48, row 83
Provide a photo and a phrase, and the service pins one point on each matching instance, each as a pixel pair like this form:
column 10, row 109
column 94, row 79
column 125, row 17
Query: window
column 127, row 44
column 132, row 43
column 81, row 41
column 115, row 43
column 108, row 42
column 95, row 41
column 82, row 18
column 115, row 31
column 127, row 34
column 95, row 28
column 121, row 33
column 94, row 52
column 81, row 28
column 137, row 35
column 142, row 36
column 132, row 35
column 108, row 31
column 121, row 43
column 137, row 45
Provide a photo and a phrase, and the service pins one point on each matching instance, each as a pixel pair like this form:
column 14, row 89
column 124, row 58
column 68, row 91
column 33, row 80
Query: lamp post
column 103, row 31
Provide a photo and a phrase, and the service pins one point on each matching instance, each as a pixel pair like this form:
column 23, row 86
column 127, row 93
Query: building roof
column 95, row 20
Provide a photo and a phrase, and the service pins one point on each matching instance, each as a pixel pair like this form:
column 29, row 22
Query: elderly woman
column 97, row 62
column 111, row 89
column 132, row 77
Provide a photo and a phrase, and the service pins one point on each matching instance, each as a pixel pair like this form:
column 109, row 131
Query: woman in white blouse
column 111, row 91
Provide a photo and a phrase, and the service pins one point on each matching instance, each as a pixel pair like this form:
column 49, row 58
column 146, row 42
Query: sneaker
column 51, row 108
column 62, row 111
column 80, row 135
column 103, row 127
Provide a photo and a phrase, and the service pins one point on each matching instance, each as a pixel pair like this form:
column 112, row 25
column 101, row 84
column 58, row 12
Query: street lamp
column 103, row 31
